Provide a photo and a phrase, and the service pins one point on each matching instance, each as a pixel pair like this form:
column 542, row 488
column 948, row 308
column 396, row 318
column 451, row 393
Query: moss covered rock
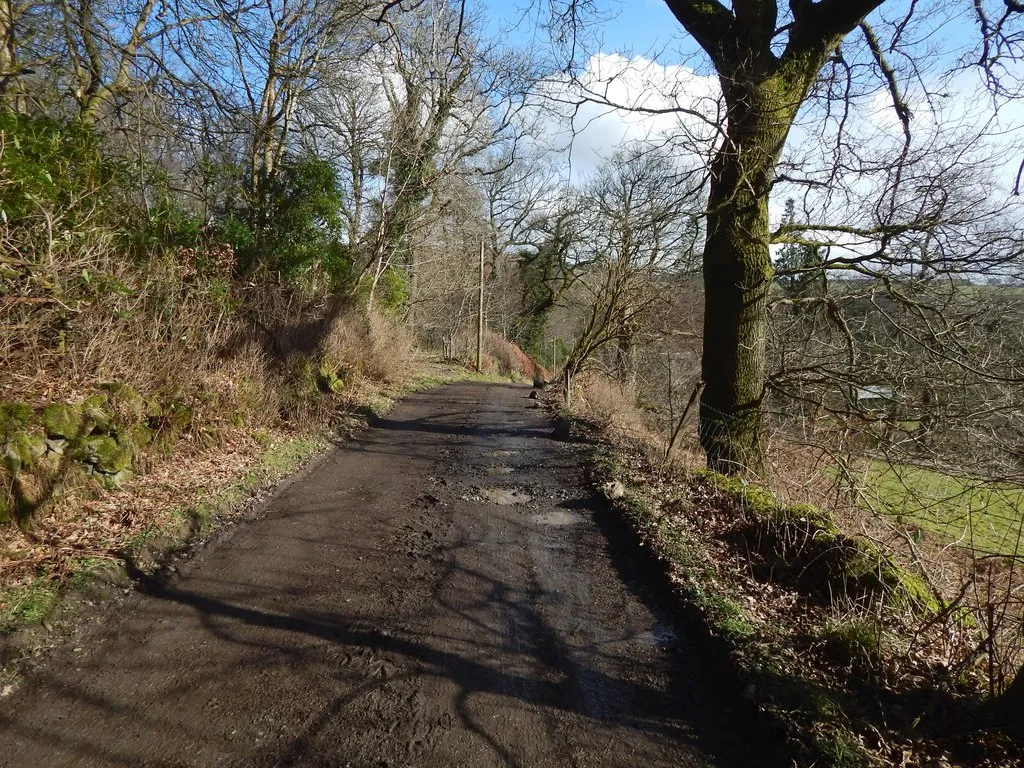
column 104, row 453
column 63, row 420
column 138, row 436
column 802, row 544
column 21, row 451
column 329, row 381
column 97, row 415
column 755, row 500
column 10, row 459
column 14, row 417
column 113, row 481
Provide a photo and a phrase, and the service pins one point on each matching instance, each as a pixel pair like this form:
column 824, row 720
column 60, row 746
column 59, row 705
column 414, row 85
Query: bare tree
column 774, row 62
column 451, row 99
column 259, row 63
column 639, row 226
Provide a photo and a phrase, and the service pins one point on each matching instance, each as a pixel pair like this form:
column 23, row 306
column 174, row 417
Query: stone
column 56, row 445
column 21, row 451
column 63, row 420
column 105, row 454
column 96, row 412
column 10, row 459
column 139, row 435
column 113, row 481
column 614, row 490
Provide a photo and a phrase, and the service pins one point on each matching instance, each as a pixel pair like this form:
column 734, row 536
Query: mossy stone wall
column 101, row 437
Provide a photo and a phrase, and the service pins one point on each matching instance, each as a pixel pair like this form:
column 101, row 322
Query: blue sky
column 638, row 30
column 639, row 27
column 628, row 26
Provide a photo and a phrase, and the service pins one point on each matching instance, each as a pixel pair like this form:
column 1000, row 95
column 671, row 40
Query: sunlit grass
column 984, row 516
column 27, row 602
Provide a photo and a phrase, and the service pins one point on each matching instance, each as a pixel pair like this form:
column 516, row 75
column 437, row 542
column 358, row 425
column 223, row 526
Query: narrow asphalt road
column 439, row 592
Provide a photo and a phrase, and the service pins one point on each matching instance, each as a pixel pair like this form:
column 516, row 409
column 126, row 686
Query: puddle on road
column 658, row 635
column 505, row 496
column 493, row 471
column 558, row 517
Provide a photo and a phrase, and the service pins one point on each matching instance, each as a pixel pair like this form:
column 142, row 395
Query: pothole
column 659, row 635
column 504, row 453
column 558, row 517
column 505, row 496
column 496, row 471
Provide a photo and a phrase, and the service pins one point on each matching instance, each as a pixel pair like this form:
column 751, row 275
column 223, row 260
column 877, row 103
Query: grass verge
column 43, row 607
column 818, row 626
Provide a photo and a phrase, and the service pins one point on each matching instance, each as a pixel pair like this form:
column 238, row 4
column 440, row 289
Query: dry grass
column 74, row 322
column 361, row 345
column 613, row 405
column 76, row 312
column 507, row 359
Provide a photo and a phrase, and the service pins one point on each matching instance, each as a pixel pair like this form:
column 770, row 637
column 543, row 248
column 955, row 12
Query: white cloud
column 954, row 132
column 616, row 101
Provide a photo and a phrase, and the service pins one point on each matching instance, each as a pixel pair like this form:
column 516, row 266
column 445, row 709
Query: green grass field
column 984, row 516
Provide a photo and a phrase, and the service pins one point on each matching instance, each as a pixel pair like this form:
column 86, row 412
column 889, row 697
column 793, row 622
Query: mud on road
column 439, row 592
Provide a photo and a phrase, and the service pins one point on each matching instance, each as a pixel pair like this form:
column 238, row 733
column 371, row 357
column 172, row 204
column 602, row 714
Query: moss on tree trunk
column 738, row 270
column 763, row 89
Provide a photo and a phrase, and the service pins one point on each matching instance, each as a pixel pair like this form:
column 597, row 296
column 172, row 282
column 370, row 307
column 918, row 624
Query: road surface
column 439, row 592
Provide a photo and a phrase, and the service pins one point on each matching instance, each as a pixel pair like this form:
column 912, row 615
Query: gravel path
column 439, row 592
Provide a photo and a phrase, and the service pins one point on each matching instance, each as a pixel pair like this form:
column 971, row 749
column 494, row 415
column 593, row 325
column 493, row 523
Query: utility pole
column 480, row 317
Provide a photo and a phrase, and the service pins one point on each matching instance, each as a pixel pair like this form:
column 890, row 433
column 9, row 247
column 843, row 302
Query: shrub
column 509, row 358
column 295, row 220
column 166, row 225
column 51, row 165
column 236, row 233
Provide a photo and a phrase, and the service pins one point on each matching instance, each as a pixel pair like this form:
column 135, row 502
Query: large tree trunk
column 738, row 272
column 763, row 90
